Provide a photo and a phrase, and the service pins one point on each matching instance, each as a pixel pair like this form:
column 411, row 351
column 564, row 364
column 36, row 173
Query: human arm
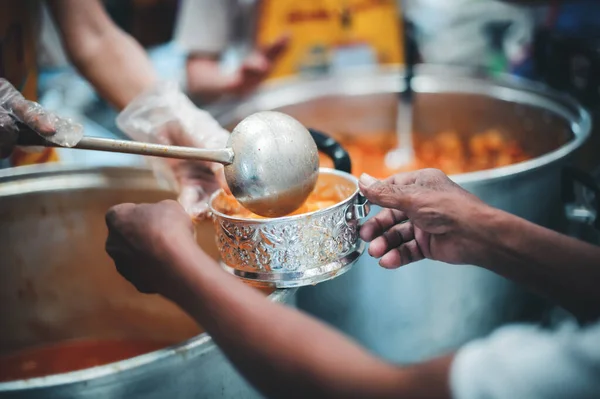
column 429, row 216
column 112, row 61
column 281, row 351
column 206, row 81
column 152, row 111
column 204, row 31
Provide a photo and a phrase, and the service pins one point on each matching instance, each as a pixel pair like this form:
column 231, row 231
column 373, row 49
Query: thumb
column 383, row 193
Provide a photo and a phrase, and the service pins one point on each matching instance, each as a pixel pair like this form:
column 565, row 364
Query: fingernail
column 367, row 180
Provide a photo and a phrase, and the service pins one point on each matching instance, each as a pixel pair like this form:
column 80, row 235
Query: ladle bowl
column 275, row 164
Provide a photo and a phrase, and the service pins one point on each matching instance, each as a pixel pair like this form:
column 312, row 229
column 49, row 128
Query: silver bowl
column 293, row 251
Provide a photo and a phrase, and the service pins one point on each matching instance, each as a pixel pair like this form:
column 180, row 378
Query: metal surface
column 428, row 308
column 404, row 153
column 276, row 164
column 295, row 250
column 58, row 284
column 223, row 156
column 271, row 160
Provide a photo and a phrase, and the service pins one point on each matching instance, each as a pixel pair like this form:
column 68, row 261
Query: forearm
column 561, row 268
column 205, row 81
column 113, row 62
column 286, row 353
column 119, row 69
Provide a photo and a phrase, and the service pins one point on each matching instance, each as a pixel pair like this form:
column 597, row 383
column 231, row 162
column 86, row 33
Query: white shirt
column 452, row 31
column 216, row 27
column 51, row 53
column 204, row 25
column 525, row 362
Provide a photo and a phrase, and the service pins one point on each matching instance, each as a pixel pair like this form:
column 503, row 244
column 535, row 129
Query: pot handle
column 576, row 209
column 333, row 149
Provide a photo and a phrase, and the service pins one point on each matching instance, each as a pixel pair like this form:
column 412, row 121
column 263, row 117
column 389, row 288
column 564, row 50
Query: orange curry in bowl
column 329, row 191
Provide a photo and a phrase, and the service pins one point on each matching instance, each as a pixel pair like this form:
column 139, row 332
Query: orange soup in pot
column 446, row 151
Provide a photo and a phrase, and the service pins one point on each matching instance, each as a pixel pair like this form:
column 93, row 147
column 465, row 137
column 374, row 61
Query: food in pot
column 324, row 195
column 446, row 151
column 71, row 356
column 77, row 354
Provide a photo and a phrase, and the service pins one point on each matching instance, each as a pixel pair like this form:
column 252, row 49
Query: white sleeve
column 204, row 25
column 527, row 362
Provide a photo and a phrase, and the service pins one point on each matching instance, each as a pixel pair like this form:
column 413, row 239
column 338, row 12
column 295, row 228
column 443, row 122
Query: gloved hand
column 13, row 107
column 165, row 115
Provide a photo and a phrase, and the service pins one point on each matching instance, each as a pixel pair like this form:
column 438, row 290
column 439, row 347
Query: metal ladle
column 404, row 153
column 271, row 160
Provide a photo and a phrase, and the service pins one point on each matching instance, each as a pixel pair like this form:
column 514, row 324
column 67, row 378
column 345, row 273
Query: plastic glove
column 13, row 107
column 165, row 115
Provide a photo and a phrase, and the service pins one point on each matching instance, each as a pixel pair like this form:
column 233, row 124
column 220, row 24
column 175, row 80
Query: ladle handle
column 410, row 59
column 328, row 146
column 223, row 156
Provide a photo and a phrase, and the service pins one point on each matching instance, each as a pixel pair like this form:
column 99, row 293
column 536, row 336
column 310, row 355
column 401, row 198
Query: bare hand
column 143, row 240
column 257, row 67
column 425, row 215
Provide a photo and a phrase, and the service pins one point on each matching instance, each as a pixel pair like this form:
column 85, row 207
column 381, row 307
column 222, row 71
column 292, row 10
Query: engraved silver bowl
column 293, row 251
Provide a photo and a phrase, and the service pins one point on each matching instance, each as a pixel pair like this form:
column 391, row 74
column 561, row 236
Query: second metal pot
column 428, row 308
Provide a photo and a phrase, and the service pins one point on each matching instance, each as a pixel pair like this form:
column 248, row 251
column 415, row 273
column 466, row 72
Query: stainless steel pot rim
column 180, row 349
column 286, row 219
column 291, row 279
column 44, row 177
column 430, row 79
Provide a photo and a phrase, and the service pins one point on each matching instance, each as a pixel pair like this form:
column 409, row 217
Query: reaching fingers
column 392, row 238
column 381, row 222
column 28, row 112
column 274, row 50
column 35, row 116
column 387, row 193
column 400, row 256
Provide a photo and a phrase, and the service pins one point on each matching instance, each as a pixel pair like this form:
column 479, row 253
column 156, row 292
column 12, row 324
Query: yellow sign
column 328, row 33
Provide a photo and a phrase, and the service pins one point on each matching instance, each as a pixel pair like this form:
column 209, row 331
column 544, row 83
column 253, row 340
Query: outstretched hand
column 425, row 215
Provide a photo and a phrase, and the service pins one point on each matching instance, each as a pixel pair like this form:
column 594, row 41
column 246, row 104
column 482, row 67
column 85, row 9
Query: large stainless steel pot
column 428, row 307
column 58, row 284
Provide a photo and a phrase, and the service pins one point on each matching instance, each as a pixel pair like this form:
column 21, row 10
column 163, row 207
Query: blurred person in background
column 120, row 71
column 491, row 35
column 232, row 46
column 567, row 57
column 88, row 35
column 285, row 353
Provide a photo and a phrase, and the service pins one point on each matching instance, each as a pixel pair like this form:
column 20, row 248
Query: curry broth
column 446, row 151
column 330, row 190
column 71, row 355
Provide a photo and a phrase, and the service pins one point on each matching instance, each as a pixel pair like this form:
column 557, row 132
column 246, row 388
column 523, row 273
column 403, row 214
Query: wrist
column 188, row 268
column 489, row 231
